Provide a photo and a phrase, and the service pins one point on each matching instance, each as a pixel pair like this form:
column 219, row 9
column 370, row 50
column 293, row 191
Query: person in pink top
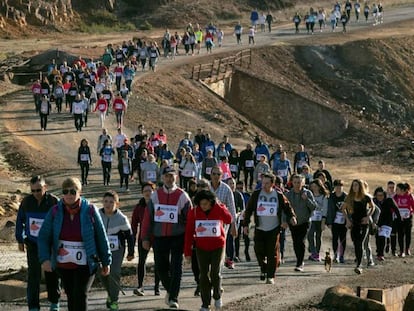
column 405, row 202
column 119, row 106
column 102, row 107
column 36, row 90
column 225, row 167
column 161, row 136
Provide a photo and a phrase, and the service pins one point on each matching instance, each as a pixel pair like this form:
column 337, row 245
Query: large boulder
column 343, row 298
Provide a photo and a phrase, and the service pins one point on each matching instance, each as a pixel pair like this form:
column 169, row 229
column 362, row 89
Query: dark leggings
column 248, row 173
column 76, row 283
column 84, row 171
column 358, row 235
column 142, row 259
column 339, row 239
column 106, row 170
column 298, row 236
column 404, row 234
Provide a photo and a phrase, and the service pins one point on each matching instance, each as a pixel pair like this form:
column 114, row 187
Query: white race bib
column 101, row 107
column 385, row 231
column 282, row 173
column 107, row 158
column 226, row 176
column 266, row 209
column 73, row 92
column 166, row 213
column 258, row 156
column 119, row 106
column 35, row 225
column 249, row 163
column 207, row 228
column 125, row 168
column 44, row 107
column 188, row 173
column 155, row 143
column 233, row 168
column 78, row 109
column 113, row 242
column 71, row 252
column 339, row 218
column 316, row 216
column 84, row 157
column 208, row 170
column 151, row 175
column 45, row 91
column 405, row 213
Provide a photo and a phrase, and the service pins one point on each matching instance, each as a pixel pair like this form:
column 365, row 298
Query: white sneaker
column 270, row 281
column 139, row 291
column 218, row 304
column 173, row 304
column 204, row 309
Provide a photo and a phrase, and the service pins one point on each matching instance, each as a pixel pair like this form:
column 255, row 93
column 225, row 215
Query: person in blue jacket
column 254, row 18
column 30, row 217
column 261, row 149
column 73, row 242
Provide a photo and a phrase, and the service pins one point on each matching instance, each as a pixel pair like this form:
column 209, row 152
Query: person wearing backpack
column 72, row 241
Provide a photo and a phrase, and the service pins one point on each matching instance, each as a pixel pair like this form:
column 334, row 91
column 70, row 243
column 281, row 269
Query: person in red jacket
column 119, row 106
column 205, row 226
column 102, row 106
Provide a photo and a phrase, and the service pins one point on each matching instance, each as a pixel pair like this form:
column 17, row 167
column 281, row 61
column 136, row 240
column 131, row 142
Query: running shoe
column 218, row 303
column 139, row 291
column 262, row 276
column 114, row 306
column 173, row 304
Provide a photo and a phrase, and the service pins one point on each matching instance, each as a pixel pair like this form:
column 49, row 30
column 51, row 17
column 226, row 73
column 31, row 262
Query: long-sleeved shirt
column 206, row 228
column 302, row 208
column 118, row 230
column 225, row 195
column 31, row 215
column 166, row 214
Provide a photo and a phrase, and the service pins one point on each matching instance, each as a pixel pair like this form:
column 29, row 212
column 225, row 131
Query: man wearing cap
column 32, row 212
column 165, row 220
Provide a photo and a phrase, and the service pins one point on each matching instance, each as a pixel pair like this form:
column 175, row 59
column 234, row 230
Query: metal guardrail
column 221, row 68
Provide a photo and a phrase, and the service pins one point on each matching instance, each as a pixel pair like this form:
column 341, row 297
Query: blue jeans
column 168, row 257
column 33, row 279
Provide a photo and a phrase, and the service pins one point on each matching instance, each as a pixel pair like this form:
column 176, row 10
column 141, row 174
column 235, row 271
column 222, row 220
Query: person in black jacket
column 31, row 214
column 246, row 162
column 84, row 160
column 267, row 205
column 385, row 221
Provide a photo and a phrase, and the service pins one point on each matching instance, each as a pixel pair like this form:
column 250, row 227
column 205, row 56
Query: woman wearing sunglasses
column 73, row 242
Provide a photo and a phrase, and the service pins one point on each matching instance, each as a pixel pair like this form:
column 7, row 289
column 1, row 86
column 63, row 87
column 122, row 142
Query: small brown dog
column 328, row 261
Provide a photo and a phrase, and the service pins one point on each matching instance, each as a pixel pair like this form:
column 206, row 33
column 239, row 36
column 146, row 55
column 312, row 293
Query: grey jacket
column 302, row 208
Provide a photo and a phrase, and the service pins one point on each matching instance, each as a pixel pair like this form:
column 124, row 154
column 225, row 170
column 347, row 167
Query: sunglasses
column 216, row 174
column 71, row 191
column 36, row 190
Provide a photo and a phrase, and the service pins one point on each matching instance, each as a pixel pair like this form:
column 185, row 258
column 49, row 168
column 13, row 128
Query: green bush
column 145, row 26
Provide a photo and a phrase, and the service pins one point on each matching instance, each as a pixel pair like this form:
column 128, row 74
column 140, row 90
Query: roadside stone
column 343, row 298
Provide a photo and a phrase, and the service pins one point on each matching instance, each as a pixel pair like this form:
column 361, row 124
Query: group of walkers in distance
column 340, row 14
column 197, row 203
column 84, row 87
